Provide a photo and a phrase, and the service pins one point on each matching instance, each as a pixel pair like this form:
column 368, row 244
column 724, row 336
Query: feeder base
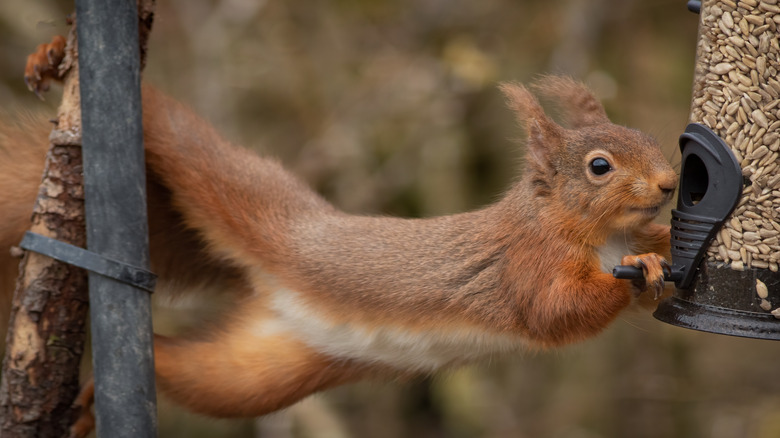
column 719, row 320
column 722, row 300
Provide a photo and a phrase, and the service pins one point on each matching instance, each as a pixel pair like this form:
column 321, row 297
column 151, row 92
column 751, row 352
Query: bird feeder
column 726, row 228
column 735, row 288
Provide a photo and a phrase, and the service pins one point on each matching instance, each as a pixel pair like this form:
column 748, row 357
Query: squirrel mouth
column 648, row 211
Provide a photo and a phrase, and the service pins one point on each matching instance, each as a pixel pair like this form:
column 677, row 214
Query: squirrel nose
column 667, row 184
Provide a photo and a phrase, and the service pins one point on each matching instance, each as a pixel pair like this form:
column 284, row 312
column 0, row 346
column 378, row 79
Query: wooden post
column 45, row 339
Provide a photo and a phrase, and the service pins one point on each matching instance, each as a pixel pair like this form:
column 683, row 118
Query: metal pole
column 115, row 204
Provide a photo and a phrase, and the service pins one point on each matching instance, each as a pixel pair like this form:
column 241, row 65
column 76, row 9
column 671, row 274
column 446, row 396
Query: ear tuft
column 544, row 135
column 528, row 110
column 521, row 101
column 577, row 104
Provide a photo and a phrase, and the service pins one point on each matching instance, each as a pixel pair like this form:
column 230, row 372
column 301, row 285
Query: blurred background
column 391, row 107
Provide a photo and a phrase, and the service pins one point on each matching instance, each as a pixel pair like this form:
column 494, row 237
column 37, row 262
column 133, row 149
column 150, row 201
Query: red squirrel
column 329, row 298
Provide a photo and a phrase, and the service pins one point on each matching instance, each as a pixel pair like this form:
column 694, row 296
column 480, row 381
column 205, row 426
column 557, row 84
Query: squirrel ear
column 543, row 133
column 577, row 104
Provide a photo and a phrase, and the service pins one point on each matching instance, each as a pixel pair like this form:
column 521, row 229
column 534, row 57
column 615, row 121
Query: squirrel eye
column 600, row 166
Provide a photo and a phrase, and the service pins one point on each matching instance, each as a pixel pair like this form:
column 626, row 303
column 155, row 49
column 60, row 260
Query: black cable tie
column 80, row 257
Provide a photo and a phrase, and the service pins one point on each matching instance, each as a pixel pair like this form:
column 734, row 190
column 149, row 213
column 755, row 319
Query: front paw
column 653, row 267
column 43, row 65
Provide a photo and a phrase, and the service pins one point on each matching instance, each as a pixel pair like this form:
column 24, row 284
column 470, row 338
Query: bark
column 46, row 332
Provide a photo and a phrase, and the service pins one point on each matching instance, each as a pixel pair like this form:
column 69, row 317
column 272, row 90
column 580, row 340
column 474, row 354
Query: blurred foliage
column 390, row 107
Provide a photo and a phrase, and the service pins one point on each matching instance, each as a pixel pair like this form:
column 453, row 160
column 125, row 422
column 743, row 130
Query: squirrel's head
column 598, row 173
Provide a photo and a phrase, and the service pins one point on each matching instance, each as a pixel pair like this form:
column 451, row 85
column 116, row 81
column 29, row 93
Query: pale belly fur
column 393, row 345
column 613, row 250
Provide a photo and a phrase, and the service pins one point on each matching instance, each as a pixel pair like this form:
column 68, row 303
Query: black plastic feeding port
column 710, row 187
column 710, row 296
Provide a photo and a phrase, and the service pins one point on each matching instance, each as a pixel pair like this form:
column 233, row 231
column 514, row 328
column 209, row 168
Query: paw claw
column 659, row 288
column 653, row 267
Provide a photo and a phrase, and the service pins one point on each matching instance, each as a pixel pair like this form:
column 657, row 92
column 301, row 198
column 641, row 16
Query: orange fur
column 327, row 298
column 43, row 65
column 262, row 380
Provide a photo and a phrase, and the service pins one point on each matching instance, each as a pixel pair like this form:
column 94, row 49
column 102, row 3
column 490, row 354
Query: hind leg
column 246, row 367
column 43, row 65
